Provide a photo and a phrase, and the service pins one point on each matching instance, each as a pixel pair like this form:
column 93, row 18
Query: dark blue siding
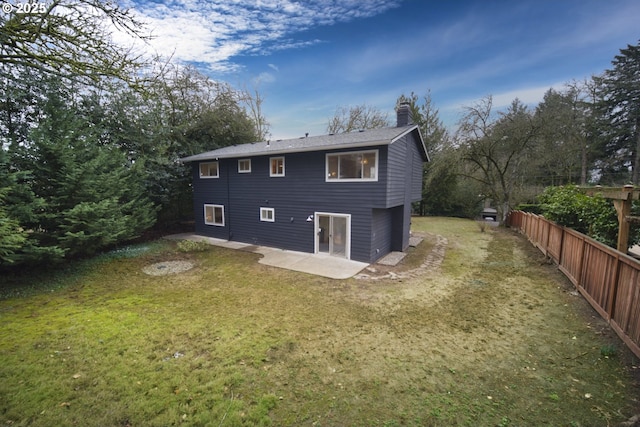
column 381, row 233
column 294, row 197
column 404, row 187
column 210, row 191
column 405, row 171
column 397, row 172
column 302, row 192
column 416, row 169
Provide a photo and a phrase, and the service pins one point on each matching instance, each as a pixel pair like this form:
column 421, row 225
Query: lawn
column 491, row 336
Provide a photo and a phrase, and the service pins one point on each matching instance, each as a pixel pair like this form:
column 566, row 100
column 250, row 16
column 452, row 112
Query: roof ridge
column 355, row 139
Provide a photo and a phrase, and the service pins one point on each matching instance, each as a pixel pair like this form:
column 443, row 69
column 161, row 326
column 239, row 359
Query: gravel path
column 431, row 262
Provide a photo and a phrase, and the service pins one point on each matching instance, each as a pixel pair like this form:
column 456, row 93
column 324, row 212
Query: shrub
column 192, row 246
column 594, row 216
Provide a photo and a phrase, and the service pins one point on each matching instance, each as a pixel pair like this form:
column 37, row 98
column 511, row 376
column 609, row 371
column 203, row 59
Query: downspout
column 228, row 211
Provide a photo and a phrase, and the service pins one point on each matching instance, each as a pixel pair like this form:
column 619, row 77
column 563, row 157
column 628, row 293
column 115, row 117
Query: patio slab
column 318, row 264
column 392, row 258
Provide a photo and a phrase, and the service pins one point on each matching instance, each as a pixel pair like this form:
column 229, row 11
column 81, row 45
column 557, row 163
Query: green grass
column 486, row 340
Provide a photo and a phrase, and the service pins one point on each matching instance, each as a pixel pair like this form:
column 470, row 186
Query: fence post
column 623, row 207
column 581, row 270
column 561, row 251
column 611, row 306
column 548, row 224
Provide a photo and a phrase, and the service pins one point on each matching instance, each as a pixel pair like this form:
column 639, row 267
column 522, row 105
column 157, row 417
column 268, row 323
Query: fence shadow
column 607, row 278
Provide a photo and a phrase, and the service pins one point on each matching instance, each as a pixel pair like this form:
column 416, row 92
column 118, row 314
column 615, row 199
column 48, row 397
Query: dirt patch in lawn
column 167, row 267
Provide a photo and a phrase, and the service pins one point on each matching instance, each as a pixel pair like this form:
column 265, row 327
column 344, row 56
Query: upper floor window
column 244, row 166
column 353, row 166
column 209, row 170
column 276, row 167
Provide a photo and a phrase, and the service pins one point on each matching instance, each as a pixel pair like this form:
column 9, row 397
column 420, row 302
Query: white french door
column 333, row 234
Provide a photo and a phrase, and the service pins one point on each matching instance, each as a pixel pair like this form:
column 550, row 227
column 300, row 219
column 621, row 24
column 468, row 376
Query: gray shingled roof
column 363, row 138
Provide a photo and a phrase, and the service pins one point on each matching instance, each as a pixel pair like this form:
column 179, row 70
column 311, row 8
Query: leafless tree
column 497, row 148
column 69, row 39
column 348, row 119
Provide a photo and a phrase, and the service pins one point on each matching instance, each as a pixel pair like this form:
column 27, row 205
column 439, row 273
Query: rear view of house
column 348, row 195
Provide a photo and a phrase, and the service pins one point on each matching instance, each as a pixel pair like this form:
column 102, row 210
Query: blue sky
column 308, row 57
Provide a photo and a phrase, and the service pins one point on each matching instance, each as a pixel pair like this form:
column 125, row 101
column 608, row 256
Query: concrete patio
column 318, row 264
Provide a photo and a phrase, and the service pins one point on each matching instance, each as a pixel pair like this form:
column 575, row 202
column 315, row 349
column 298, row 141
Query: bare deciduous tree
column 348, row 119
column 252, row 100
column 69, row 38
column 497, row 148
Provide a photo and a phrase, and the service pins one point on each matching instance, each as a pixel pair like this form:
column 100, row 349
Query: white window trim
column 271, row 174
column 264, row 214
column 316, row 222
column 214, row 216
column 209, row 176
column 245, row 170
column 326, row 165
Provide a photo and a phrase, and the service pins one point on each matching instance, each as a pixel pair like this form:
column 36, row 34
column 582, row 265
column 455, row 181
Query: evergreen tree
column 442, row 189
column 619, row 96
column 20, row 208
column 562, row 151
column 427, row 117
column 94, row 195
column 12, row 236
column 69, row 193
column 446, row 190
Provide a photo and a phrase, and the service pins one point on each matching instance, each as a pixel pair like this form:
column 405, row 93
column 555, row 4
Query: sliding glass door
column 333, row 234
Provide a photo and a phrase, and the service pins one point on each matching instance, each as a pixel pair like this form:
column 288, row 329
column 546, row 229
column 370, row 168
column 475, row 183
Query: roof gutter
column 214, row 156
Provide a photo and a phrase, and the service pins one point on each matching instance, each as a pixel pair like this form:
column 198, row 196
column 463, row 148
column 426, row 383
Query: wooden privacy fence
column 607, row 278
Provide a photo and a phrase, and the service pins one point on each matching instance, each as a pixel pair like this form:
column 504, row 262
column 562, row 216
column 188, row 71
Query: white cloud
column 527, row 95
column 216, row 31
column 264, row 77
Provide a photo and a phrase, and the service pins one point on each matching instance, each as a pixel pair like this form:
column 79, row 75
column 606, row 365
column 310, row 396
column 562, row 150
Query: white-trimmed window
column 352, row 166
column 209, row 170
column 267, row 214
column 244, row 166
column 276, row 166
column 214, row 215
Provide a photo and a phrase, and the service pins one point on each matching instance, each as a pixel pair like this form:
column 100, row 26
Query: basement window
column 267, row 214
column 209, row 170
column 214, row 215
column 352, row 166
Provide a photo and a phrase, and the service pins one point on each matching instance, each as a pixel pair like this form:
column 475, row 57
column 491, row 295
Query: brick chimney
column 404, row 115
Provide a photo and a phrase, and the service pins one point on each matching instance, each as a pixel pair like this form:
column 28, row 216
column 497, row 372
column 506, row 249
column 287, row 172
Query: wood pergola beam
column 622, row 200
